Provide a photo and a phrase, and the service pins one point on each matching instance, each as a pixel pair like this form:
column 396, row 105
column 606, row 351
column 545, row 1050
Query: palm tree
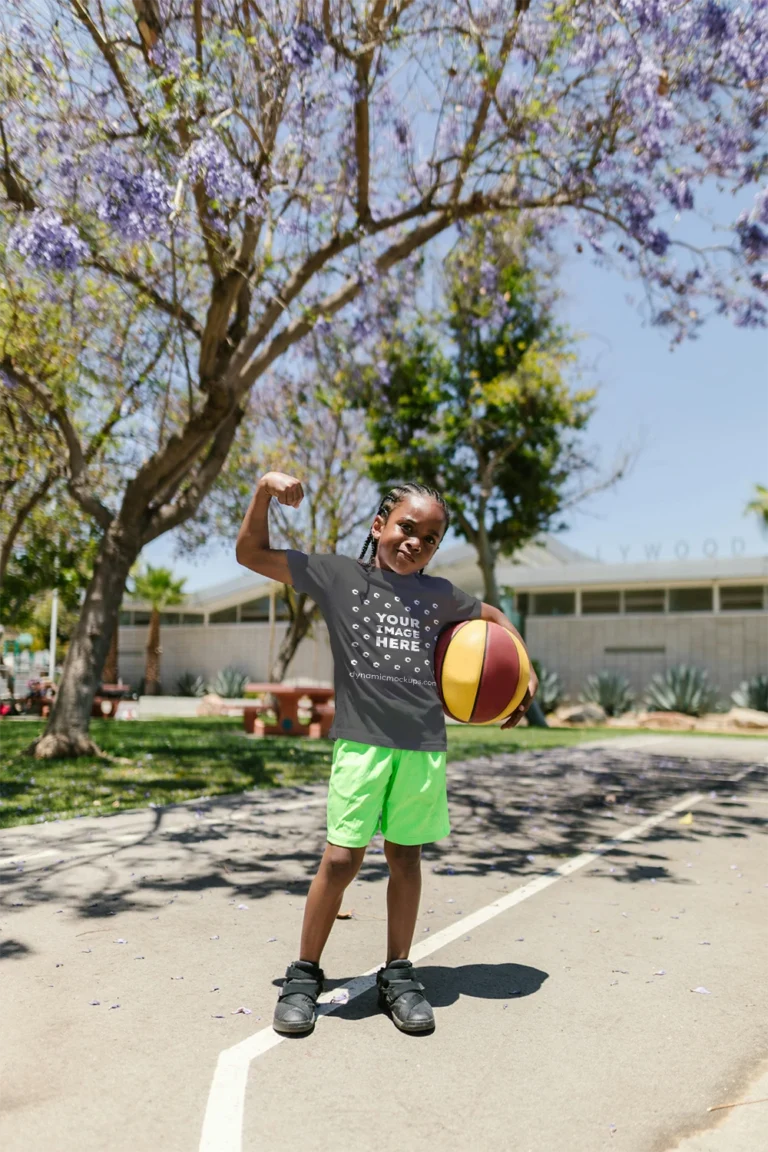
column 760, row 504
column 157, row 587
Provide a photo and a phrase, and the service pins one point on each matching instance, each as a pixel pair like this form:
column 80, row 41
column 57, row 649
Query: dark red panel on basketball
column 500, row 675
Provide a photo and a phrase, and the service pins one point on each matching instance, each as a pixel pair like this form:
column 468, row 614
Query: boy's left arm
column 488, row 612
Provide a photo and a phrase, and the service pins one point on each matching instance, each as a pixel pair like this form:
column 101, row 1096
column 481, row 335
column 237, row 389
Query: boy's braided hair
column 392, row 499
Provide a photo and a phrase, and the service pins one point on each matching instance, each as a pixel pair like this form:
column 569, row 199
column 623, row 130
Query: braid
column 392, row 499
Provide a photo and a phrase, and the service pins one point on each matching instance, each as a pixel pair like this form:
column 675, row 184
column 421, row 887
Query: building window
column 226, row 616
column 191, row 618
column 690, row 599
column 125, row 618
column 644, row 600
column 554, row 604
column 741, row 599
column 255, row 610
column 521, row 603
column 169, row 617
column 597, row 603
column 141, row 617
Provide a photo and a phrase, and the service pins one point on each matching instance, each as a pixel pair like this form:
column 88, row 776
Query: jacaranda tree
column 245, row 170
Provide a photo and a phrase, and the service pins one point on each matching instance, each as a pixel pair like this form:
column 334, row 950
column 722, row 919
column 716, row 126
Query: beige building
column 579, row 616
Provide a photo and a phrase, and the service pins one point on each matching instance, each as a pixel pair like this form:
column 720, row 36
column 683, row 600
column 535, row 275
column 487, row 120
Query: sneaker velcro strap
column 394, row 988
column 300, row 988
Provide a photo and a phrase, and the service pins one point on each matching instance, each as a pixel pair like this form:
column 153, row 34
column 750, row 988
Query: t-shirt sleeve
column 460, row 605
column 313, row 572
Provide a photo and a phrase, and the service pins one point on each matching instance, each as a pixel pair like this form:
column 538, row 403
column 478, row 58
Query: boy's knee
column 342, row 863
column 403, row 857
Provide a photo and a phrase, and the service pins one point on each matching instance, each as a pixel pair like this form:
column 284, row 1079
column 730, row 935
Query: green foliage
column 611, row 691
column 156, row 586
column 550, row 691
column 752, row 693
column 190, row 685
column 475, row 401
column 759, row 504
column 682, row 688
column 230, row 683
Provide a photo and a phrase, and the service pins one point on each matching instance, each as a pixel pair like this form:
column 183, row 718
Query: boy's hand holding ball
column 286, row 489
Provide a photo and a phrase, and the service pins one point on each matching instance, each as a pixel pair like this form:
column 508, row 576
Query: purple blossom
column 303, row 47
column 137, row 204
column 48, row 243
column 679, row 193
column 754, row 241
column 223, row 177
column 714, row 20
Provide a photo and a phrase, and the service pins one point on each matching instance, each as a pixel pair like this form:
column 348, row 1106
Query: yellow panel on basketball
column 462, row 668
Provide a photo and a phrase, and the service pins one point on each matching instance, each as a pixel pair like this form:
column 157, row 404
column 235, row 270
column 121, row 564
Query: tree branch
column 162, row 519
column 22, row 513
column 77, row 472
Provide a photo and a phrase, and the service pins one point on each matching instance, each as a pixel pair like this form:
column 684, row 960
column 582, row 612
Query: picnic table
column 286, row 697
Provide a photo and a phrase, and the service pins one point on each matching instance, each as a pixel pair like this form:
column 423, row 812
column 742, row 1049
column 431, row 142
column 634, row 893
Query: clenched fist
column 285, row 489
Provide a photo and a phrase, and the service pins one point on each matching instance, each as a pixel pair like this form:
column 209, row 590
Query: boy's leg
column 400, row 993
column 337, row 870
column 403, row 896
column 295, row 1009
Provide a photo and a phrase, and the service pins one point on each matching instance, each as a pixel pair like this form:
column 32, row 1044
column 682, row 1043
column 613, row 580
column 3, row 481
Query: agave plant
column 550, row 691
column 190, row 685
column 752, row 693
column 611, row 691
column 230, row 682
column 682, row 688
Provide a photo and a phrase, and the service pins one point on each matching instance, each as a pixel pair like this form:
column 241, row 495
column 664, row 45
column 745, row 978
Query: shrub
column 681, row 689
column 550, row 691
column 230, row 682
column 752, row 693
column 611, row 691
column 190, row 685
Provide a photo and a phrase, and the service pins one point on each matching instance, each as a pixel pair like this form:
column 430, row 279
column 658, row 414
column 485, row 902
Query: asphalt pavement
column 592, row 935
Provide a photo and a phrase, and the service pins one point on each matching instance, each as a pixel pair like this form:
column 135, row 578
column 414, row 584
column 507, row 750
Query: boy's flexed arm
column 252, row 549
column 488, row 612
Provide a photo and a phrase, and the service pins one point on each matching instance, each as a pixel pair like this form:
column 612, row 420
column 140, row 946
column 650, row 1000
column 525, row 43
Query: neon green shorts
column 399, row 791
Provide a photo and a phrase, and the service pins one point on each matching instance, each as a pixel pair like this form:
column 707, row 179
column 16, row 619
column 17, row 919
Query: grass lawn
column 172, row 760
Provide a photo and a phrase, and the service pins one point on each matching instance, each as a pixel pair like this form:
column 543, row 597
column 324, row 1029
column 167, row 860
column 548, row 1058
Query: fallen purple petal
column 244, row 1011
column 704, row 991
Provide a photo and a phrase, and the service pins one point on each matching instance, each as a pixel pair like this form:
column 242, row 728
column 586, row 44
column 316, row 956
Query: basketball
column 482, row 671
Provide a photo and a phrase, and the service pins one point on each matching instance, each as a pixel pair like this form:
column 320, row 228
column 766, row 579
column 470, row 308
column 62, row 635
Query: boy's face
column 408, row 540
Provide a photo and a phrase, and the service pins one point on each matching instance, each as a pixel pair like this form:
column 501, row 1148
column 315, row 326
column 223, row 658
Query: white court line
column 223, row 1121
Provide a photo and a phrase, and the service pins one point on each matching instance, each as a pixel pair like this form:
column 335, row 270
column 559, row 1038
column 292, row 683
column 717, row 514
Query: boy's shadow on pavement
column 444, row 986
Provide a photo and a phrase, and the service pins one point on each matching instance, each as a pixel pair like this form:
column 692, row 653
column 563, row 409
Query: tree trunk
column 152, row 667
column 66, row 733
column 111, row 673
column 487, row 559
column 300, row 626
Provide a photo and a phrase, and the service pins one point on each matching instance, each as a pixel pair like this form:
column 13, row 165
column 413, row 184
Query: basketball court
column 592, row 937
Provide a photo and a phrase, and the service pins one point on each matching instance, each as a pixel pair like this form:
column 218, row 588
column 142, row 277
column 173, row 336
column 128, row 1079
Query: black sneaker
column 402, row 996
column 295, row 1008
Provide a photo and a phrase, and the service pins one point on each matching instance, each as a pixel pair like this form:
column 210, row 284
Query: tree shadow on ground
column 515, row 815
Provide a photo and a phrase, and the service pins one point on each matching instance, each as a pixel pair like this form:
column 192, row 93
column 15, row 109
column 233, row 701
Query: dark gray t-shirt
column 383, row 627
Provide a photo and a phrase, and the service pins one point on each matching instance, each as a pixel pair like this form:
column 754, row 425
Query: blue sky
column 697, row 416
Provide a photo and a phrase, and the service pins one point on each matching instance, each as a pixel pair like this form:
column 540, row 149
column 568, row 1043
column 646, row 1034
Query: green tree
column 759, row 505
column 476, row 401
column 158, row 588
